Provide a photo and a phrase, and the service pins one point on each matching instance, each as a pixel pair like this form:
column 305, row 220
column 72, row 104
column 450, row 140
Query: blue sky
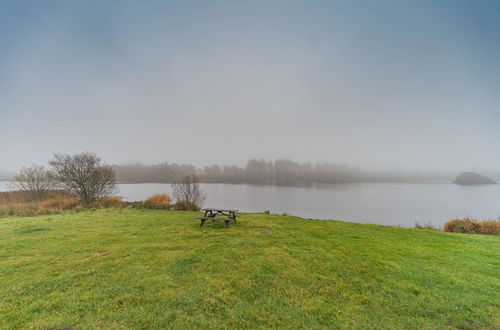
column 378, row 84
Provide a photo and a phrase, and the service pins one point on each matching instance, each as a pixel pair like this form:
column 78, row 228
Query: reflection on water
column 379, row 203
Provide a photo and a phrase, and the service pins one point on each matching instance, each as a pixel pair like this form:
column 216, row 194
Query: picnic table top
column 219, row 210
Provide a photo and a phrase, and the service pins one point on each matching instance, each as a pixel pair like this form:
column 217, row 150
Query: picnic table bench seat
column 203, row 219
column 224, row 215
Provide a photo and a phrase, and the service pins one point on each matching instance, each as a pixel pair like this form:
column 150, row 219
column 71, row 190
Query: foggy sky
column 376, row 84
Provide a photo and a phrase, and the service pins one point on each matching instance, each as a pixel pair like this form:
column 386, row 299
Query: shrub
column 267, row 212
column 36, row 180
column 471, row 226
column 189, row 193
column 85, row 175
column 465, row 226
column 158, row 202
column 185, row 206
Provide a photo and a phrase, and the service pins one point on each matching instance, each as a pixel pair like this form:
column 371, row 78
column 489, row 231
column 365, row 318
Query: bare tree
column 36, row 180
column 84, row 175
column 189, row 193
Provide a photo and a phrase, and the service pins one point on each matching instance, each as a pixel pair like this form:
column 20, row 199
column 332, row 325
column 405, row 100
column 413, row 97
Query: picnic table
column 218, row 214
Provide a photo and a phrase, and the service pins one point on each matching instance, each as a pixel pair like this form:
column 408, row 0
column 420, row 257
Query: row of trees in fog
column 280, row 172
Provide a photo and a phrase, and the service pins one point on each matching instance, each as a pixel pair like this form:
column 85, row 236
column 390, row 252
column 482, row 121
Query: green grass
column 158, row 269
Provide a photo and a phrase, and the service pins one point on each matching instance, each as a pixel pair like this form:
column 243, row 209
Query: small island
column 472, row 178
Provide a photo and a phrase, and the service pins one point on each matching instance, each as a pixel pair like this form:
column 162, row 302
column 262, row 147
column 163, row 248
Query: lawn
column 158, row 269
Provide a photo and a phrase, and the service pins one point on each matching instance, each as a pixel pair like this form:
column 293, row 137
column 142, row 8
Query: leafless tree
column 189, row 193
column 36, row 180
column 84, row 175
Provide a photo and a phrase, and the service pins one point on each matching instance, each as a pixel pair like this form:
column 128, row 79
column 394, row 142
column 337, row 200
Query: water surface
column 379, row 203
column 400, row 204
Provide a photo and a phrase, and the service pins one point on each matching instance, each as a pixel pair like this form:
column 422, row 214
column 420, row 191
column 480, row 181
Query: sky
column 378, row 84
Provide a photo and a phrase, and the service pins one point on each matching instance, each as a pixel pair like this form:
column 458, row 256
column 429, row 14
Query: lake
column 399, row 204
column 379, row 203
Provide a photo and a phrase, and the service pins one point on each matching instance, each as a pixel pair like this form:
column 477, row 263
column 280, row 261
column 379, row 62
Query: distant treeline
column 278, row 172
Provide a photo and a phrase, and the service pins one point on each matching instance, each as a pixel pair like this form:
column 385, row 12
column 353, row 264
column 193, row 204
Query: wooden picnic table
column 218, row 214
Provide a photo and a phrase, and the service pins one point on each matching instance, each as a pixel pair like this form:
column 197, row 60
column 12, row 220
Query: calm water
column 379, row 203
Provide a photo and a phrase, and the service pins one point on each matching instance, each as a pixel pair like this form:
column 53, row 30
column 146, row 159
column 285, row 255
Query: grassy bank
column 156, row 269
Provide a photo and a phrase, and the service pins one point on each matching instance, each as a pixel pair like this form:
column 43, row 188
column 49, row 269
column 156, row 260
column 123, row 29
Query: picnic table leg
column 233, row 215
column 202, row 222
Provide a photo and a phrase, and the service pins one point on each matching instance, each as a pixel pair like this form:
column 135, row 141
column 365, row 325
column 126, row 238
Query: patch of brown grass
column 24, row 209
column 185, row 206
column 59, row 204
column 17, row 197
column 108, row 202
column 158, row 201
column 490, row 227
column 472, row 226
column 18, row 203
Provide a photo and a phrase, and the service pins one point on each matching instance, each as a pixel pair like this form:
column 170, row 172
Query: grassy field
column 157, row 269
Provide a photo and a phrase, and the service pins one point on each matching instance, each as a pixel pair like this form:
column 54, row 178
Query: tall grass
column 19, row 203
column 472, row 226
column 16, row 197
column 107, row 202
column 158, row 201
column 185, row 206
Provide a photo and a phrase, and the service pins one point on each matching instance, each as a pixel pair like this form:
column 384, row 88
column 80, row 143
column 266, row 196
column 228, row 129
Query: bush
column 185, row 206
column 84, row 175
column 188, row 193
column 267, row 212
column 158, row 202
column 471, row 226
